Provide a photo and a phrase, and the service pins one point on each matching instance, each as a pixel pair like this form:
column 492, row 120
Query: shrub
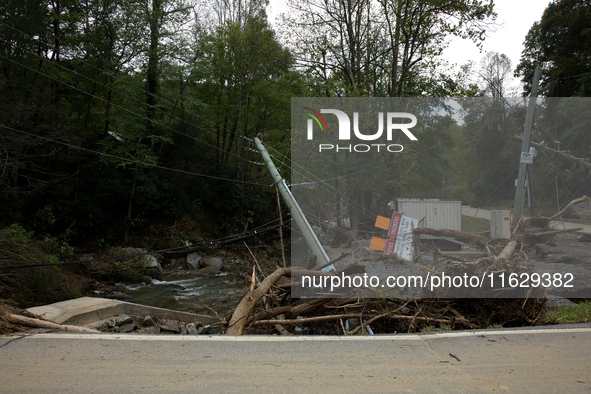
column 29, row 286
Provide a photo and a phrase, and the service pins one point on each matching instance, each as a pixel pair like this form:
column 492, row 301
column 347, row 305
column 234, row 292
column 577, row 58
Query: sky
column 515, row 18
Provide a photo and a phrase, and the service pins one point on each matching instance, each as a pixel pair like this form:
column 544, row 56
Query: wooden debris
column 508, row 251
column 459, row 235
column 351, row 316
column 37, row 323
column 570, row 205
column 240, row 316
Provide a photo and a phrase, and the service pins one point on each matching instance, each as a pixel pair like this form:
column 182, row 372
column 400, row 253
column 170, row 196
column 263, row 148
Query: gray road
column 516, row 361
column 485, row 215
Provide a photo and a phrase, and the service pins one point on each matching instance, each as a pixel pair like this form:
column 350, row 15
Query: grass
column 476, row 226
column 569, row 314
column 441, row 327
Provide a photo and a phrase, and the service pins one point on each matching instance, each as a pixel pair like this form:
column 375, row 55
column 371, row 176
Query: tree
column 417, row 30
column 390, row 48
column 561, row 44
column 494, row 70
column 247, row 68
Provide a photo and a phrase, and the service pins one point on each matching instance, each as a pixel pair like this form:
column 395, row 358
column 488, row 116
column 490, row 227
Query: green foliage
column 561, row 44
column 129, row 270
column 389, row 48
column 441, row 327
column 488, row 157
column 30, row 286
column 569, row 314
column 14, row 234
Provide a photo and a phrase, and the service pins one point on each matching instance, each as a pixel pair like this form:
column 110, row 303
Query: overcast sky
column 515, row 18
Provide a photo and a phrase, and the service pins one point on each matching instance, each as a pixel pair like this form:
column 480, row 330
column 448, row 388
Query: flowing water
column 189, row 293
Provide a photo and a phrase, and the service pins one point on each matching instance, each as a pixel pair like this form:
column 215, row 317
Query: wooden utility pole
column 311, row 239
column 529, row 121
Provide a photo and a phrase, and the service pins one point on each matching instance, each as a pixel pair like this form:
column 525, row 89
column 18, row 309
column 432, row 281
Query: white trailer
column 435, row 213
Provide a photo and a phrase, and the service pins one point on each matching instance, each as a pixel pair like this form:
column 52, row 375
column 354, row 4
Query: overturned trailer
column 434, row 213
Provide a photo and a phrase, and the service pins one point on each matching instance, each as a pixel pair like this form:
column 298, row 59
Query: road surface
column 517, row 361
column 485, row 215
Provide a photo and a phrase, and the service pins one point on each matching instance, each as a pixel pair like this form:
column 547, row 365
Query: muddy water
column 190, row 293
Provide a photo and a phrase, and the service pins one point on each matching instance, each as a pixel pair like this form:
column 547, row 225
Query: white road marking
column 303, row 338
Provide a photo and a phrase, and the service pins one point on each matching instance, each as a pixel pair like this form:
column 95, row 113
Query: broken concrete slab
column 86, row 310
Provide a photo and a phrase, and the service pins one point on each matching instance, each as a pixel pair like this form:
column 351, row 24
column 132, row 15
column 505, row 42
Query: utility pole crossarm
column 559, row 153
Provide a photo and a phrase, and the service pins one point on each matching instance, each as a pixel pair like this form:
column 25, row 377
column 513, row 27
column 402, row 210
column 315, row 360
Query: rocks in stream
column 194, row 263
column 154, row 269
column 210, row 261
column 151, row 325
column 197, row 263
column 208, row 270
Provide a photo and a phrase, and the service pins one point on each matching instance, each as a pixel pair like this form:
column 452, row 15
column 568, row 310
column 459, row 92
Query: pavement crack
column 14, row 339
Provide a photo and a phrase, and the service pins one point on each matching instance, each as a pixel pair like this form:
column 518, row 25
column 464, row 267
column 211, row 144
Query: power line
column 131, row 160
column 218, row 242
column 107, row 72
column 123, row 108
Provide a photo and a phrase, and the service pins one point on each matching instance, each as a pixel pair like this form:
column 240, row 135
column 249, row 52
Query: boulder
column 149, row 330
column 191, row 329
column 208, row 270
column 125, row 327
column 203, row 330
column 148, row 321
column 193, row 261
column 150, row 262
column 211, row 261
column 170, row 325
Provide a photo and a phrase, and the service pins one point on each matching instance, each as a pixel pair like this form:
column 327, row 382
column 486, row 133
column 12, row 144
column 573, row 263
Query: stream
column 189, row 293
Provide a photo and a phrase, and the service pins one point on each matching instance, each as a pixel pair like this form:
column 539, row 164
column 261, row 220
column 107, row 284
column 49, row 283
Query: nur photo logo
column 393, row 121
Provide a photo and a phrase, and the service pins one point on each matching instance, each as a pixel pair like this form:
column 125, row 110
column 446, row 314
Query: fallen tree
column 37, row 323
column 13, row 319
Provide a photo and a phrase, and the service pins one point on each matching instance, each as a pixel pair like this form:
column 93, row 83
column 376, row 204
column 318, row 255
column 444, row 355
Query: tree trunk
column 152, row 73
column 127, row 223
column 459, row 235
column 30, row 322
column 240, row 316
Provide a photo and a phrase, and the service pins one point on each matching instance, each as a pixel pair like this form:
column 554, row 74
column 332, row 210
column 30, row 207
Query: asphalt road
column 517, row 361
column 485, row 215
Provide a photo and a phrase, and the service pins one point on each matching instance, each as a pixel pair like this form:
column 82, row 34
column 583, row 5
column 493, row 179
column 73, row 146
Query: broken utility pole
column 313, row 243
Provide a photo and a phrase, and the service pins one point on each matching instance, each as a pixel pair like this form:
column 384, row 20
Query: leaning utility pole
column 313, row 243
column 529, row 121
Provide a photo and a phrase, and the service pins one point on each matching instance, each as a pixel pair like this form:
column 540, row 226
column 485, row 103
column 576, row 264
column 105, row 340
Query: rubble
column 268, row 308
column 149, row 324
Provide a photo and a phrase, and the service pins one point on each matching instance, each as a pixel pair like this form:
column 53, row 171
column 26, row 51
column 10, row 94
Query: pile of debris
column 278, row 313
column 268, row 308
column 149, row 324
